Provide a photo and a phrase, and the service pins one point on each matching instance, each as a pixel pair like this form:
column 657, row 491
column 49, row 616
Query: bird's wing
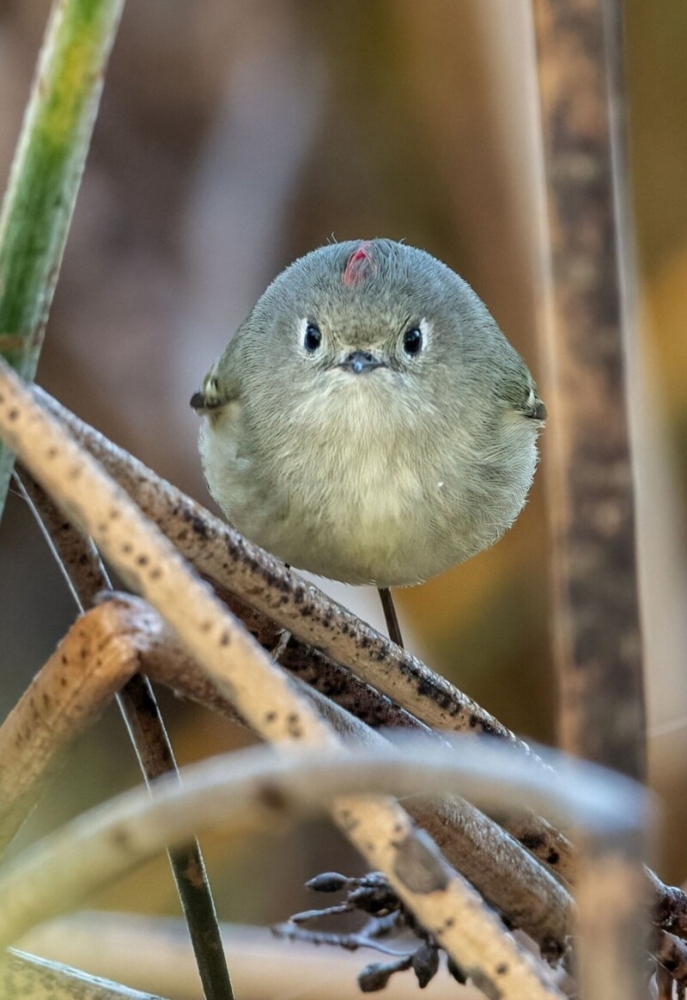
column 518, row 389
column 220, row 385
column 532, row 406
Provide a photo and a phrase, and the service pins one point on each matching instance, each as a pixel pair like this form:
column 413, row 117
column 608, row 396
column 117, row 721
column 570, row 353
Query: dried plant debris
column 386, row 919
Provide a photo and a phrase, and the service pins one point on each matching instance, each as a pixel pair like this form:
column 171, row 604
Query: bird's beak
column 359, row 362
column 202, row 404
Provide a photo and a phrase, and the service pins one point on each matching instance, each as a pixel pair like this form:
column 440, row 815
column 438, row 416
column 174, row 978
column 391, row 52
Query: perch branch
column 149, row 563
column 159, row 499
column 221, row 553
column 236, row 567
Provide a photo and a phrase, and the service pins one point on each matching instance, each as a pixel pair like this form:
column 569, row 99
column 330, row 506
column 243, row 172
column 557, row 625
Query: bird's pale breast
column 345, row 496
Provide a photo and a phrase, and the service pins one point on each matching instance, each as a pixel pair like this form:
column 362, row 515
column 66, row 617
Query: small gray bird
column 369, row 421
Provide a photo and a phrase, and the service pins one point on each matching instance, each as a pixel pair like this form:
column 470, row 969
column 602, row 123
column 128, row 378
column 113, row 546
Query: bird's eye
column 412, row 341
column 312, row 337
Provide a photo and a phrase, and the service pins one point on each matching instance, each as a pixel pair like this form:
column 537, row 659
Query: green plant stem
column 156, row 758
column 45, row 176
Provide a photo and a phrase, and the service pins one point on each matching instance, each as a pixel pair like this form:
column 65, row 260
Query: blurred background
column 235, row 135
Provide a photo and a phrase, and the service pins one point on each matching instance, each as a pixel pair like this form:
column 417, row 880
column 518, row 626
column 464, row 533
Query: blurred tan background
column 235, row 135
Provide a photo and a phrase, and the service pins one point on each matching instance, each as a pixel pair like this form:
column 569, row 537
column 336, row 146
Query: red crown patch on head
column 359, row 265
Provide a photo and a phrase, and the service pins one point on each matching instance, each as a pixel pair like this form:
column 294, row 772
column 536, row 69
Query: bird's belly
column 362, row 521
column 366, row 511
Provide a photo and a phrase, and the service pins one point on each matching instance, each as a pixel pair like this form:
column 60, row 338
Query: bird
column 369, row 422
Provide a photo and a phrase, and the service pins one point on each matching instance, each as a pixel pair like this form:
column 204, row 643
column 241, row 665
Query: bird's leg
column 392, row 625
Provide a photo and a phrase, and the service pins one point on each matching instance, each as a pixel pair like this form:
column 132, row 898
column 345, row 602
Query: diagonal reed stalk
column 86, row 576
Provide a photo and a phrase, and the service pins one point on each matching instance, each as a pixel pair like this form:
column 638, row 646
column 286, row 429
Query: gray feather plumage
column 384, row 477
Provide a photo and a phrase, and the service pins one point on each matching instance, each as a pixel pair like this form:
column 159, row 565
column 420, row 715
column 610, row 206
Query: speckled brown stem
column 96, row 657
column 102, row 650
column 223, row 555
column 150, row 565
column 587, row 456
column 236, row 567
column 319, row 671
